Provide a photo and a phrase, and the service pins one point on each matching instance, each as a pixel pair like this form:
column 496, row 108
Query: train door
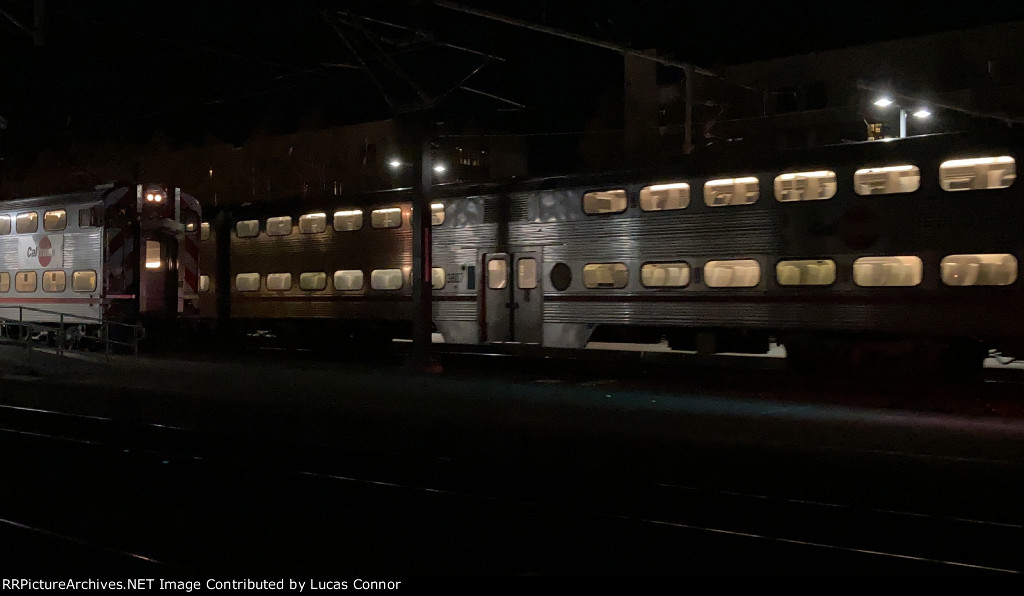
column 512, row 297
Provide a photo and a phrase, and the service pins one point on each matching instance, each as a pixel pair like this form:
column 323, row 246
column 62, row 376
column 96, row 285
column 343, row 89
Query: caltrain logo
column 43, row 251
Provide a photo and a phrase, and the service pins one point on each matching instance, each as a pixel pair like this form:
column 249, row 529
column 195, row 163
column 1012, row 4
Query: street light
column 920, row 113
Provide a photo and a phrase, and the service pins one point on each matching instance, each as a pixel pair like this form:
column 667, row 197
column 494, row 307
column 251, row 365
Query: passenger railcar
column 914, row 240
column 126, row 255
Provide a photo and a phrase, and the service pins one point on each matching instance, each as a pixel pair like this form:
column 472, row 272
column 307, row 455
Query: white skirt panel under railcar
column 51, row 259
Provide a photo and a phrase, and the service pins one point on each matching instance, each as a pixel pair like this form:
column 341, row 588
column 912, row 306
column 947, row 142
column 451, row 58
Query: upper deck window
column 5, row 224
column 739, row 273
column 204, row 231
column 888, row 180
column 887, row 271
column 665, row 197
column 979, row 270
column 981, row 173
column 805, row 186
column 348, row 221
column 386, row 218
column 731, row 191
column 248, row 229
column 811, row 272
column 55, row 221
column 604, row 201
column 313, row 223
column 436, row 214
column 28, row 223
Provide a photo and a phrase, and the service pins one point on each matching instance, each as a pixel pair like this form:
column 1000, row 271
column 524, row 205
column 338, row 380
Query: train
column 909, row 246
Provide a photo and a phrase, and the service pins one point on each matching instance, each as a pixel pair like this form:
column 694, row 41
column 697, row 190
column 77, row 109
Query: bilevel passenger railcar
column 123, row 255
column 913, row 242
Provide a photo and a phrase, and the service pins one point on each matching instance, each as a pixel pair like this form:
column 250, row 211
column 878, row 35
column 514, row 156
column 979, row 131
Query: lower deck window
column 386, row 279
column 979, row 270
column 279, row 282
column 806, row 273
column 605, row 275
column 665, row 275
column 739, row 273
column 83, row 281
column 54, row 281
column 5, row 282
column 887, row 271
column 313, row 281
column 25, row 281
column 204, row 283
column 247, row 282
column 348, row 279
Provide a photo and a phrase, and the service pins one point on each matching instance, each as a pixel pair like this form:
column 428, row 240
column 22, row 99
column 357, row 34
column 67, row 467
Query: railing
column 69, row 330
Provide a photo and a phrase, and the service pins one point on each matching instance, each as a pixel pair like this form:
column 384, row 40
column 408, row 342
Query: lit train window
column 386, row 218
column 497, row 274
column 5, row 282
column 605, row 275
column 83, row 281
column 604, row 201
column 805, row 186
column 740, row 273
column 817, row 272
column 204, row 231
column 25, row 281
column 85, row 218
column 348, row 279
column 886, row 181
column 247, row 282
column 279, row 282
column 204, row 283
column 665, row 197
column 437, row 277
column 54, row 281
column 278, row 226
column 5, row 224
column 731, row 191
column 887, row 271
column 665, row 275
column 55, row 221
column 313, row 281
column 436, row 214
column 348, row 221
column 979, row 270
column 248, row 229
column 526, row 273
column 977, row 174
column 154, row 258
column 386, row 279
column 313, row 223
column 28, row 223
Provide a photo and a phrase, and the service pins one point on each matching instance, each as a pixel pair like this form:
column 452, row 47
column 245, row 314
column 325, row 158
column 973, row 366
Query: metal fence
column 68, row 331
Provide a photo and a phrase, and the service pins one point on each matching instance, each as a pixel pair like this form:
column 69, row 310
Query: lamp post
column 920, row 113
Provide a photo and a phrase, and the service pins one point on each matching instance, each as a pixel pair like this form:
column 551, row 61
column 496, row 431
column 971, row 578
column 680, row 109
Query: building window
column 886, row 181
column 204, row 283
column 437, row 278
column 248, row 229
column 386, row 279
column 313, row 223
column 348, row 221
column 982, row 173
column 731, row 191
column 605, row 275
column 5, row 282
column 28, row 223
column 247, row 282
column 25, row 281
column 279, row 226
column 313, row 281
column 436, row 214
column 83, row 281
column 665, row 275
column 604, row 201
column 805, row 186
column 204, row 231
column 54, row 281
column 665, row 197
column 526, row 273
column 386, row 218
column 820, row 272
column 887, row 271
column 279, row 282
column 5, row 224
column 740, row 273
column 348, row 279
column 979, row 270
column 55, row 221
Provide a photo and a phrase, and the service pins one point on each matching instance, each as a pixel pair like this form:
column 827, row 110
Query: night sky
column 122, row 71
